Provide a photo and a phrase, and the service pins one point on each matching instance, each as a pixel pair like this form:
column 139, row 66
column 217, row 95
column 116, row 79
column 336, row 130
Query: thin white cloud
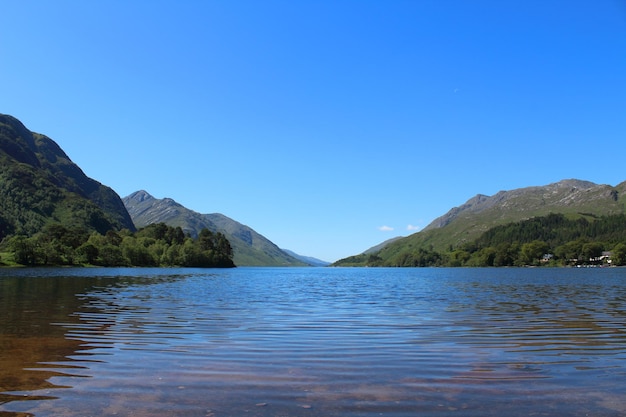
column 412, row 227
column 385, row 228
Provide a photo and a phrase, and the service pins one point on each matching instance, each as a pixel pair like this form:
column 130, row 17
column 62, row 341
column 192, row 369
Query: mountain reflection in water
column 312, row 342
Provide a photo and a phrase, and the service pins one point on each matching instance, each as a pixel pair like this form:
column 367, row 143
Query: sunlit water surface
column 313, row 342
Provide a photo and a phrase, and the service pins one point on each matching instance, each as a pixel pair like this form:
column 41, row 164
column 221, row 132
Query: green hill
column 462, row 225
column 40, row 186
column 249, row 247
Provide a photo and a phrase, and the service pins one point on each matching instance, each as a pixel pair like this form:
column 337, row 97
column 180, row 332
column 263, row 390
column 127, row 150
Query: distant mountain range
column 249, row 247
column 40, row 185
column 572, row 198
column 575, row 198
column 309, row 260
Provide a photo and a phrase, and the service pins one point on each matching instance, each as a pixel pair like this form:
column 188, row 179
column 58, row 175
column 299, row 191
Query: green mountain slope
column 463, row 224
column 249, row 247
column 40, row 185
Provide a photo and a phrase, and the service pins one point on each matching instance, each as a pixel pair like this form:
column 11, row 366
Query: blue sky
column 326, row 126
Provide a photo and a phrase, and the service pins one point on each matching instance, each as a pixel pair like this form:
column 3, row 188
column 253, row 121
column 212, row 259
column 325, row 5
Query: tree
column 136, row 253
column 571, row 251
column 506, row 254
column 619, row 254
column 24, row 249
column 113, row 238
column 532, row 252
column 177, row 236
column 223, row 246
column 87, row 253
column 206, row 239
column 171, row 256
column 592, row 251
column 110, row 255
column 459, row 257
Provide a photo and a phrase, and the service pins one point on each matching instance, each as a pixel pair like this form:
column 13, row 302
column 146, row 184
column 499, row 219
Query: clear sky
column 327, row 126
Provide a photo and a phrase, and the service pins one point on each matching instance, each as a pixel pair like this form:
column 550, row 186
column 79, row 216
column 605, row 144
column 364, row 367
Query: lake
column 313, row 342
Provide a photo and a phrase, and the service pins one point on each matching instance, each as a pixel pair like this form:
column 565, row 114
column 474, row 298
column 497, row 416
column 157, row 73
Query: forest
column 552, row 240
column 157, row 245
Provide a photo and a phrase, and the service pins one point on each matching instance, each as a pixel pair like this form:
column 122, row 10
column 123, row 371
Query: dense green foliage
column 548, row 240
column 154, row 245
column 557, row 229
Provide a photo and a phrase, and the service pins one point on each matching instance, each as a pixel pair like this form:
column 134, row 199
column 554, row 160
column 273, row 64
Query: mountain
column 369, row 257
column 565, row 196
column 465, row 223
column 571, row 197
column 380, row 246
column 249, row 247
column 40, row 185
column 309, row 260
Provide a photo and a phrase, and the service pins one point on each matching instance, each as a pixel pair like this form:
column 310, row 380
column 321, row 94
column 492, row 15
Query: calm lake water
column 313, row 342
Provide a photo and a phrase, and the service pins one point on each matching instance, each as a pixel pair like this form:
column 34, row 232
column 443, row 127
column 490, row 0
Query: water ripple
column 346, row 342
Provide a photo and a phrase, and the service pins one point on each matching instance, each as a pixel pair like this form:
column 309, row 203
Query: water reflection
column 37, row 306
column 584, row 318
column 304, row 342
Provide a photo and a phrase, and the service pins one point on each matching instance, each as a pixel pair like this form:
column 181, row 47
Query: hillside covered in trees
column 154, row 245
column 41, row 186
column 554, row 240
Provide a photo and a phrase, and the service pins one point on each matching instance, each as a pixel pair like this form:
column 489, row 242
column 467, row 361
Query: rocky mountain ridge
column 250, row 248
column 560, row 195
